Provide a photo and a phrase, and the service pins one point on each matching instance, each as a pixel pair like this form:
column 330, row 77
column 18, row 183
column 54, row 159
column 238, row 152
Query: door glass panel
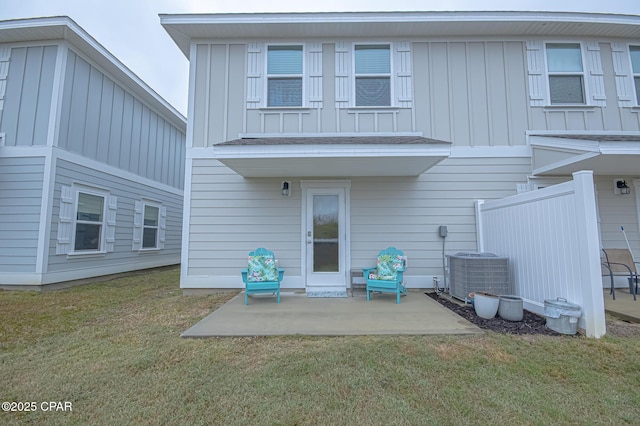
column 325, row 233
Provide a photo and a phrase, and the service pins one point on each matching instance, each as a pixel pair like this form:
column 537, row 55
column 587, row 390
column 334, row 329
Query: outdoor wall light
column 285, row 188
column 620, row 187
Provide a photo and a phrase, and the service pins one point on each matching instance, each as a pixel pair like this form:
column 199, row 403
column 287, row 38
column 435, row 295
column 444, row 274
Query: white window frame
column 583, row 75
column 300, row 76
column 355, row 76
column 139, row 226
column 634, row 75
column 103, row 224
column 158, row 206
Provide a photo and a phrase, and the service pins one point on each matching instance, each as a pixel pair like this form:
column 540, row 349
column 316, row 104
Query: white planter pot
column 511, row 308
column 486, row 305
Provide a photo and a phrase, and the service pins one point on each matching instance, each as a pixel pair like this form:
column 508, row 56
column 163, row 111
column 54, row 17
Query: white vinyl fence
column 550, row 236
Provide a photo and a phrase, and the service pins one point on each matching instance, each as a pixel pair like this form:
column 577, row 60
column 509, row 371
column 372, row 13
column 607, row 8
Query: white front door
column 325, row 233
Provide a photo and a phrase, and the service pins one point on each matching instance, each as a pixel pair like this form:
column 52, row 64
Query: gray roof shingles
column 337, row 140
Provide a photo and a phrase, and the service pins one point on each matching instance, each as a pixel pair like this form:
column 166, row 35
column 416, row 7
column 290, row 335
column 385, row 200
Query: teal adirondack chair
column 262, row 275
column 386, row 276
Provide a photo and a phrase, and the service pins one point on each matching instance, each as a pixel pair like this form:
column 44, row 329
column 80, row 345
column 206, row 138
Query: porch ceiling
column 332, row 156
column 606, row 154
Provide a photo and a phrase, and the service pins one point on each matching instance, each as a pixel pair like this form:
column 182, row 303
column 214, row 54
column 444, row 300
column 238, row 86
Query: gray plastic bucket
column 562, row 316
column 510, row 308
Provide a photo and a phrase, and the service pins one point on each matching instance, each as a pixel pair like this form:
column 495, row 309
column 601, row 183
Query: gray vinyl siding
column 20, row 194
column 27, row 102
column 617, row 211
column 128, row 192
column 231, row 216
column 406, row 212
column 102, row 121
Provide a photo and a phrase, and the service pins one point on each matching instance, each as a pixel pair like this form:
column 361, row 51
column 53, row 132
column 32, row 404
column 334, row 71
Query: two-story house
column 327, row 137
column 91, row 160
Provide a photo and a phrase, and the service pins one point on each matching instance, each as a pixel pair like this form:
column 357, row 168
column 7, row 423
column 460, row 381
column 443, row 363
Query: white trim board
column 317, row 151
column 96, row 165
column 35, row 279
column 186, row 220
column 490, row 151
column 45, row 151
column 523, row 151
column 328, row 135
column 46, row 207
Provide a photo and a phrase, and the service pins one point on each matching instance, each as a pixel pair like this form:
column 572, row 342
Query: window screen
column 284, row 70
column 89, row 222
column 566, row 79
column 635, row 65
column 150, row 230
column 373, row 75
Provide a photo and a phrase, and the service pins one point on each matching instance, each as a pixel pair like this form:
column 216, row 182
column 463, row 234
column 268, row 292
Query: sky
column 131, row 30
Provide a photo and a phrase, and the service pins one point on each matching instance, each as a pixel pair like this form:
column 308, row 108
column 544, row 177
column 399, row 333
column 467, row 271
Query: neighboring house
column 91, row 160
column 327, row 137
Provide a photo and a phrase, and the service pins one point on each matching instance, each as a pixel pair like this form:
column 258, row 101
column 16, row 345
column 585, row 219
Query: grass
column 113, row 350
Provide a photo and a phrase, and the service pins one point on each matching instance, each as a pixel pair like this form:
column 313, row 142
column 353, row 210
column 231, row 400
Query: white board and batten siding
column 20, row 198
column 102, row 121
column 26, row 90
column 471, row 93
column 228, row 103
column 609, row 90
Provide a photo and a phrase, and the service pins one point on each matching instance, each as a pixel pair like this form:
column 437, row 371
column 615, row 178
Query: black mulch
column 530, row 324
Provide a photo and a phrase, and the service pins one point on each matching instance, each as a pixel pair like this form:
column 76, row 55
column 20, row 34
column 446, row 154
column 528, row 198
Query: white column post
column 589, row 255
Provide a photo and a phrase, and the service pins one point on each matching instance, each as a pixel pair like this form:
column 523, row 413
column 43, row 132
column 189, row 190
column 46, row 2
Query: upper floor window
column 284, row 76
column 566, row 73
column 635, row 66
column 373, row 75
column 89, row 222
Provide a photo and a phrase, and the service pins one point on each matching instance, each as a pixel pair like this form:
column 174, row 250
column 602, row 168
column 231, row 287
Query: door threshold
column 324, row 293
column 328, row 291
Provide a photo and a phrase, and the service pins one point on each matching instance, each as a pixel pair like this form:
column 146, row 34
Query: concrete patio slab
column 624, row 307
column 298, row 314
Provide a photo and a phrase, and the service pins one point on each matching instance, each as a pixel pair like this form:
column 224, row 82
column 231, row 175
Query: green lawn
column 113, row 350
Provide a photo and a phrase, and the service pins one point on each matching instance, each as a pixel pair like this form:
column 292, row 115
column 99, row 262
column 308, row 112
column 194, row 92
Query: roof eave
column 185, row 27
column 65, row 28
